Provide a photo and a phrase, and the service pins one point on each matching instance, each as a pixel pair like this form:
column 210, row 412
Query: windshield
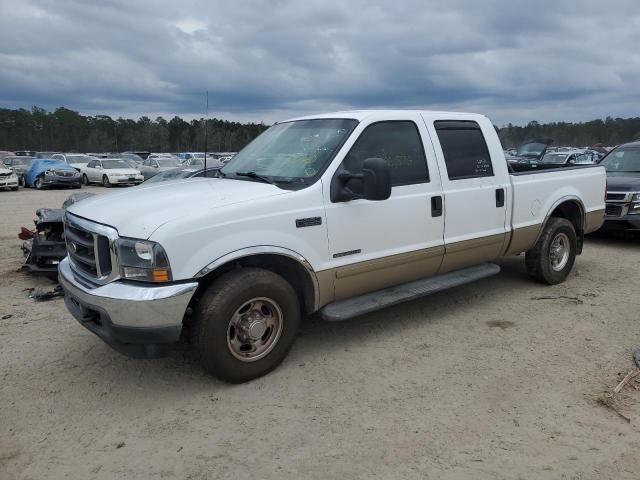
column 292, row 150
column 622, row 159
column 83, row 159
column 533, row 149
column 132, row 156
column 168, row 162
column 197, row 155
column 170, row 175
column 554, row 158
column 115, row 163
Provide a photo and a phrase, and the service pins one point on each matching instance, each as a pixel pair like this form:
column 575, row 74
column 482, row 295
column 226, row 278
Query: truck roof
column 382, row 114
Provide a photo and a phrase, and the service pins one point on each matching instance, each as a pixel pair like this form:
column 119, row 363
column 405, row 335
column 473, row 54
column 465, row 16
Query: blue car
column 51, row 173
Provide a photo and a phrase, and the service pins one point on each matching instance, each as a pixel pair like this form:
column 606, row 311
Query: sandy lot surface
column 498, row 379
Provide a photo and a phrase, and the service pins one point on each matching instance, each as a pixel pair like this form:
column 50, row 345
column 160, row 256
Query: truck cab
column 341, row 213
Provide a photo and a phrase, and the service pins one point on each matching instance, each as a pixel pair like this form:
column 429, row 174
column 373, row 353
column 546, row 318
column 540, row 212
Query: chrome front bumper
column 133, row 319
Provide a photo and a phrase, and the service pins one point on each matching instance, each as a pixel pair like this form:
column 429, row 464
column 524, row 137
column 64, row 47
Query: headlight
column 143, row 260
column 635, row 197
column 48, row 172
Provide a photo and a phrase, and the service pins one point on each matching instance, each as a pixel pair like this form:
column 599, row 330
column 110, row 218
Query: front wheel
column 245, row 324
column 39, row 183
column 105, row 181
column 551, row 259
column 85, row 179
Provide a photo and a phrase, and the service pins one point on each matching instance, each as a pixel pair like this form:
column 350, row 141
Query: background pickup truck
column 341, row 213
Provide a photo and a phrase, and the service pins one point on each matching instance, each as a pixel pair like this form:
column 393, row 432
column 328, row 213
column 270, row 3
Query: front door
column 376, row 244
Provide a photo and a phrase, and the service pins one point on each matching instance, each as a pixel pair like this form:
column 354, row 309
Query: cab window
column 465, row 151
column 396, row 142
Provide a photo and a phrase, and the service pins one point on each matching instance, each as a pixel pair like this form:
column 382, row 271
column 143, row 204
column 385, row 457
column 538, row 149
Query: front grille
column 64, row 173
column 89, row 251
column 5, row 174
column 613, row 210
column 612, row 197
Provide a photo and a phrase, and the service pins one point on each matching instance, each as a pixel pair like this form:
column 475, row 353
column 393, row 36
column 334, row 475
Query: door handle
column 436, row 206
column 500, row 197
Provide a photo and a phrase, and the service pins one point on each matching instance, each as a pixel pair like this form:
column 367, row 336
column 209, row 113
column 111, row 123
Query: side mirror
column 99, row 167
column 374, row 183
column 154, row 165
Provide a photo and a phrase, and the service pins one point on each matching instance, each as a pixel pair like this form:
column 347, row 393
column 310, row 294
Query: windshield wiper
column 262, row 178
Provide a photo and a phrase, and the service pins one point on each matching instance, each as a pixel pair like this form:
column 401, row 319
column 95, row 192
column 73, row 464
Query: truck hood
column 138, row 211
column 623, row 181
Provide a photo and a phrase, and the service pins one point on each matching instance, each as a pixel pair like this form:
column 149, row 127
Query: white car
column 76, row 160
column 8, row 178
column 109, row 172
column 341, row 214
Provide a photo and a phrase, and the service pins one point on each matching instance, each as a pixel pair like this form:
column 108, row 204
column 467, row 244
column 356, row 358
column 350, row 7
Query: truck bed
column 536, row 192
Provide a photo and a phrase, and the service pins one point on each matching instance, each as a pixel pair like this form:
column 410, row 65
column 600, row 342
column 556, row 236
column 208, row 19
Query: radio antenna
column 206, row 134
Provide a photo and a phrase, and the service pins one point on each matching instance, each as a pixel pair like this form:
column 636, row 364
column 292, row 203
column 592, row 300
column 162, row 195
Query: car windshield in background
column 552, row 158
column 112, row 164
column 623, row 159
column 83, row 159
column 175, row 174
column 292, row 150
column 132, row 156
column 532, row 149
column 168, row 162
column 24, row 161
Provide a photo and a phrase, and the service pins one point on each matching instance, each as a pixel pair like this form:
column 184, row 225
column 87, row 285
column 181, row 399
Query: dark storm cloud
column 264, row 60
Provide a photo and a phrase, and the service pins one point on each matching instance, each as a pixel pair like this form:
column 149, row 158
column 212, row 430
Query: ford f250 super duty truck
column 342, row 213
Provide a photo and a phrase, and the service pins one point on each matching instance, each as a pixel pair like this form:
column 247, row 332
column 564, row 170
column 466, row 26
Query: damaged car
column 45, row 173
column 44, row 246
column 529, row 154
column 8, row 178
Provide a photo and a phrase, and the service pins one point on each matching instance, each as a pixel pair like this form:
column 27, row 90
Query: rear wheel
column 245, row 324
column 105, row 181
column 551, row 259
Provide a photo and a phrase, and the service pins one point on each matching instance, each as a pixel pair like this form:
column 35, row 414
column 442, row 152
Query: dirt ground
column 495, row 380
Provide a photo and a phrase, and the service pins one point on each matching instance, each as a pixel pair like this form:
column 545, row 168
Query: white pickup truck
column 342, row 213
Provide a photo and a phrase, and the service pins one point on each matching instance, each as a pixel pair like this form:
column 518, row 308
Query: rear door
column 475, row 194
column 375, row 244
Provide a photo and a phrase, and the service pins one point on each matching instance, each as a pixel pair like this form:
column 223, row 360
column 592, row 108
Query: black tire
column 85, row 179
column 39, row 183
column 21, row 181
column 213, row 315
column 539, row 259
column 15, row 189
column 105, row 182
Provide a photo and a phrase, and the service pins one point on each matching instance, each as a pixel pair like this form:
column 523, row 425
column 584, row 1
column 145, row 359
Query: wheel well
column 288, row 268
column 572, row 211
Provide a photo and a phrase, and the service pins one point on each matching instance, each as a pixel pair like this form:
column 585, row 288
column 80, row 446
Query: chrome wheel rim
column 254, row 329
column 559, row 252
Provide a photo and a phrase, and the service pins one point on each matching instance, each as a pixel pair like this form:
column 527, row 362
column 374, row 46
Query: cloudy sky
column 264, row 60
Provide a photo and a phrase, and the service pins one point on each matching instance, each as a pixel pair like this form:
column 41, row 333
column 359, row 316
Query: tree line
column 609, row 132
column 68, row 131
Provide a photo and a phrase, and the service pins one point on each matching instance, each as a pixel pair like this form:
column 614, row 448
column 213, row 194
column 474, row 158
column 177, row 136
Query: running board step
column 370, row 302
